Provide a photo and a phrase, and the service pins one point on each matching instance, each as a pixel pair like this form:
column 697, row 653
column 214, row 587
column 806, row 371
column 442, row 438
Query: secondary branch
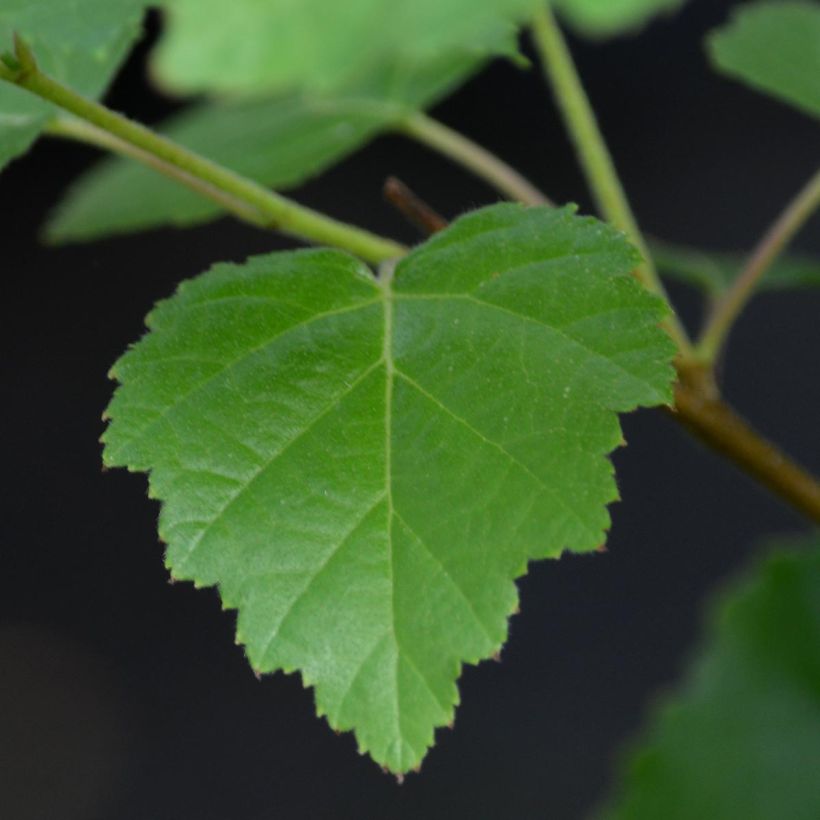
column 593, row 154
column 483, row 163
column 274, row 210
column 769, row 248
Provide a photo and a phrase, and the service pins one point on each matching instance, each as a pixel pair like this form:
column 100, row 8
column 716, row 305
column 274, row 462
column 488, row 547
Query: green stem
column 768, row 249
column 270, row 208
column 480, row 161
column 71, row 128
column 593, row 154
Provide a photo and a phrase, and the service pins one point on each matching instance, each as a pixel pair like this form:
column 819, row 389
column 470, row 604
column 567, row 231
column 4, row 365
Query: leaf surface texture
column 364, row 467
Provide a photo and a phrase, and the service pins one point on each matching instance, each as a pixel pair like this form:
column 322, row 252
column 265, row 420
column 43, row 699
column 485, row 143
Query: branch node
column 24, row 56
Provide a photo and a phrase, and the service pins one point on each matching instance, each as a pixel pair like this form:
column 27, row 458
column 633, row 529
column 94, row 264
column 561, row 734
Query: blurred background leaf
column 322, row 45
column 774, row 47
column 79, row 42
column 742, row 738
column 605, row 18
column 713, row 271
column 279, row 141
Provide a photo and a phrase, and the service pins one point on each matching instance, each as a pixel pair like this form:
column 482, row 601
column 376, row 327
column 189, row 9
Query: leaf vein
column 271, row 460
column 463, row 422
column 243, row 356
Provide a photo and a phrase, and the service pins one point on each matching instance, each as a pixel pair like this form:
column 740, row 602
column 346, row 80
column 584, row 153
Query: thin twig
column 594, row 155
column 71, row 128
column 773, row 242
column 279, row 212
column 414, row 209
column 483, row 163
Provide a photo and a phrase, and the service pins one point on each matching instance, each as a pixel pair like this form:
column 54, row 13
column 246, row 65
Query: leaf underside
column 774, row 47
column 743, row 738
column 364, row 467
column 605, row 18
column 322, row 45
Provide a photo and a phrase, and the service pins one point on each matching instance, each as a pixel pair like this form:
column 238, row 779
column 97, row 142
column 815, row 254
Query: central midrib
column 389, row 372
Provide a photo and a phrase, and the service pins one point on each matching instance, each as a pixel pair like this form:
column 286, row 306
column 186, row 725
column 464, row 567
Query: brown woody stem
column 412, row 207
column 701, row 410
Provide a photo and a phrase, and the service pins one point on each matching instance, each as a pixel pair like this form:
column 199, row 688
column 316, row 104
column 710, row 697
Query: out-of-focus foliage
column 323, row 45
column 80, row 42
column 713, row 272
column 773, row 47
column 605, row 18
column 279, row 141
column 742, row 738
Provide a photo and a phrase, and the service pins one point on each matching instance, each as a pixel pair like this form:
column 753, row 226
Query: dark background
column 122, row 697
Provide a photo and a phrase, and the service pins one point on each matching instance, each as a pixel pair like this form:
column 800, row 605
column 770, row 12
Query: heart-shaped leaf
column 363, row 467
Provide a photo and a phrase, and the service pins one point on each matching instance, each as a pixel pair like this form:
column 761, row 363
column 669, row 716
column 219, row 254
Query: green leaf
column 279, row 141
column 713, row 272
column 79, row 42
column 323, row 45
column 742, row 740
column 364, row 467
column 775, row 48
column 605, row 18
